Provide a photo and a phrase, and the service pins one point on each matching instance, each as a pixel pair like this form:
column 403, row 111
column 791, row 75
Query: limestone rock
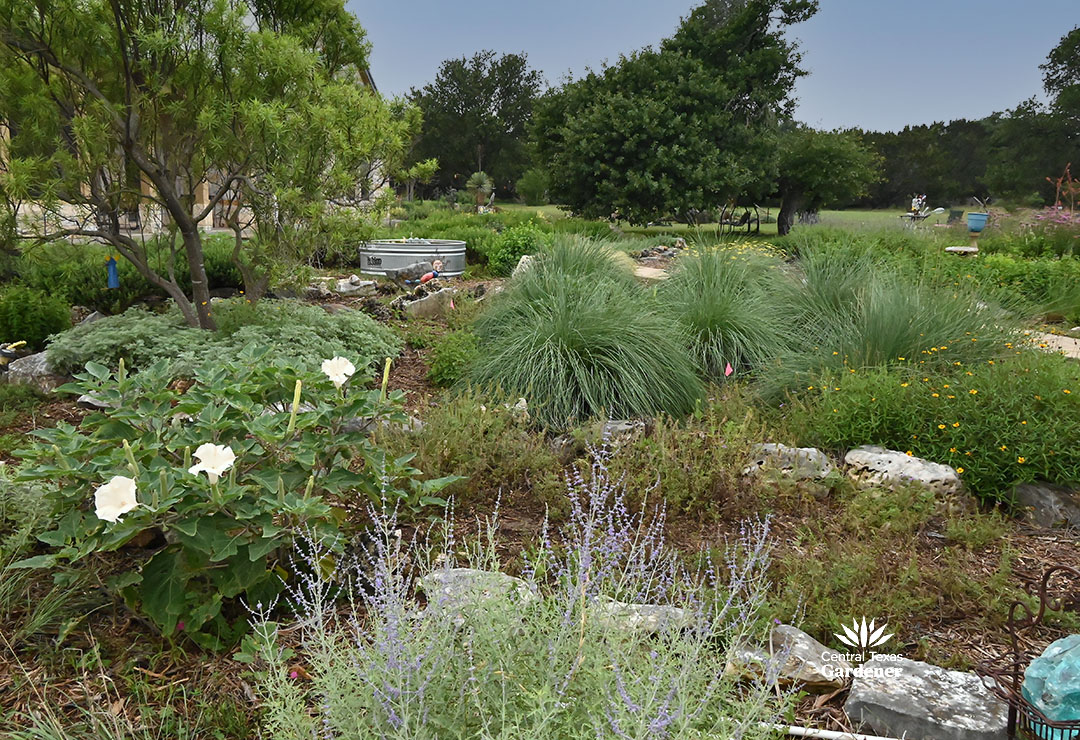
column 648, row 618
column 34, row 370
column 365, row 424
column 1052, row 682
column 317, row 289
column 354, row 286
column 92, row 317
column 898, row 697
column 747, row 662
column 455, row 589
column 90, row 401
column 620, row 431
column 650, row 273
column 1047, row 505
column 807, row 661
column 432, row 305
column 799, row 463
column 523, row 264
column 871, row 466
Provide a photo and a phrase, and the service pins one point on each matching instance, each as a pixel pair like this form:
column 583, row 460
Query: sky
column 875, row 64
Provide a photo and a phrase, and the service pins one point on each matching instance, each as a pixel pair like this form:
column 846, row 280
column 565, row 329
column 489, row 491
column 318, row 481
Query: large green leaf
column 217, row 535
column 163, row 589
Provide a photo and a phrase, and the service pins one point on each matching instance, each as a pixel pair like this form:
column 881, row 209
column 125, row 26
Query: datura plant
column 204, row 483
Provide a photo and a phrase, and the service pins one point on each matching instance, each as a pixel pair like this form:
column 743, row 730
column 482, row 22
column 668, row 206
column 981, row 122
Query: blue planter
column 977, row 221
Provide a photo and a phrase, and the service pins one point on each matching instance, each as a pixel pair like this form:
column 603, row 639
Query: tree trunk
column 255, row 281
column 137, row 257
column 180, row 212
column 785, row 219
column 200, row 286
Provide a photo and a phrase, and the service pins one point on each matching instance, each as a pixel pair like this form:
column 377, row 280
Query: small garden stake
column 385, row 380
column 295, row 408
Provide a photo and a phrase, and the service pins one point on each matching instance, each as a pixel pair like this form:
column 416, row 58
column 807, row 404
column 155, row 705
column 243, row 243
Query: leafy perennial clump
column 306, row 334
column 997, row 422
column 203, row 487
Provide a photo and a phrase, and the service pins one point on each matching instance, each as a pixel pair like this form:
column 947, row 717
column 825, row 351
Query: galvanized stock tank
column 380, row 255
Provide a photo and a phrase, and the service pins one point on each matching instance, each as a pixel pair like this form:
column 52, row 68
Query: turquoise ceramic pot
column 977, row 221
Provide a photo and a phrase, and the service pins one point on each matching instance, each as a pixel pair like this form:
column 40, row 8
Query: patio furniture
column 914, row 217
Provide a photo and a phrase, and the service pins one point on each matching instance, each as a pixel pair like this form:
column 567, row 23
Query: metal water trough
column 380, row 255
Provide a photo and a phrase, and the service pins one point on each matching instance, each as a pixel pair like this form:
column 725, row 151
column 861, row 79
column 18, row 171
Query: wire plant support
column 1004, row 675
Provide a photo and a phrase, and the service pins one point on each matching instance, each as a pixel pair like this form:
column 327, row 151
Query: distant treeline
column 1006, row 156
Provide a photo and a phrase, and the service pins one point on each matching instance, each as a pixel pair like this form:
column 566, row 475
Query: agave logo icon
column 863, row 636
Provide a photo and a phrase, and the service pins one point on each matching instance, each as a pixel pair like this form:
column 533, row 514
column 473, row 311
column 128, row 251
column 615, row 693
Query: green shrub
column 305, row 334
column 513, row 244
column 1034, row 241
column 871, row 552
column 19, row 397
column 221, row 272
column 1043, row 285
column 580, row 257
column 31, row 315
column 483, row 438
column 77, row 273
column 587, row 229
column 452, row 357
column 138, row 336
column 578, row 347
column 532, row 187
column 720, row 297
column 215, row 539
column 998, row 421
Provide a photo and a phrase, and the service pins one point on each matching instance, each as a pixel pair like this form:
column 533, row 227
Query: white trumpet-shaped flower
column 115, row 498
column 339, row 370
column 213, row 460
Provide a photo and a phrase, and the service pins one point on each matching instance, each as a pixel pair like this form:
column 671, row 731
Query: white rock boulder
column 798, row 463
column 463, row 588
column 897, row 697
column 871, row 466
column 807, row 661
column 648, row 618
column 34, row 370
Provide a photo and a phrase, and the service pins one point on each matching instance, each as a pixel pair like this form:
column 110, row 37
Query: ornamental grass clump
column 721, row 299
column 552, row 654
column 584, row 346
column 849, row 311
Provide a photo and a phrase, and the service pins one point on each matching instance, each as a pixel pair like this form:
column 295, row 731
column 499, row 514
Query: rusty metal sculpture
column 1006, row 673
